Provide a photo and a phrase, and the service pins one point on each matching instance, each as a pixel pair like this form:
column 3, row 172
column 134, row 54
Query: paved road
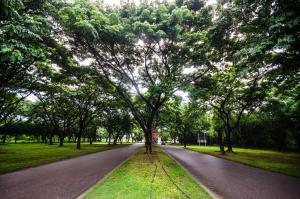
column 227, row 179
column 63, row 179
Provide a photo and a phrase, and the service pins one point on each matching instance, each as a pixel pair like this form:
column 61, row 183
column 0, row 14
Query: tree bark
column 220, row 140
column 50, row 138
column 61, row 140
column 184, row 138
column 148, row 140
column 229, row 143
column 109, row 137
column 80, row 132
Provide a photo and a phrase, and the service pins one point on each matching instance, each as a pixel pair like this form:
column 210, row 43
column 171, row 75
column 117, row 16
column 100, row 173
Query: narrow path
column 227, row 179
column 63, row 179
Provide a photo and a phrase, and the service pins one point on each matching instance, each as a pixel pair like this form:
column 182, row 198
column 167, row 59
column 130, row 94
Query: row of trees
column 273, row 126
column 89, row 65
column 65, row 99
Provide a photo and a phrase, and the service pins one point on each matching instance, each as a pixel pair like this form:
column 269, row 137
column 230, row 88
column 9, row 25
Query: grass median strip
column 148, row 176
column 282, row 162
column 18, row 156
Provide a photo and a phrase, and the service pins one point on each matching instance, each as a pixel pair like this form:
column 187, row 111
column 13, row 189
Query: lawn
column 283, row 162
column 148, row 176
column 18, row 156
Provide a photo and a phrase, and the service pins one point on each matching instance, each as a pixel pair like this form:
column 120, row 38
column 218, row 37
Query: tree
column 89, row 99
column 234, row 95
column 141, row 50
column 247, row 58
column 170, row 119
column 22, row 55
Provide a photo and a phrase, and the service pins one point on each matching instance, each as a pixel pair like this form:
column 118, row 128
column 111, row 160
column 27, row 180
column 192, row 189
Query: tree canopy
column 78, row 66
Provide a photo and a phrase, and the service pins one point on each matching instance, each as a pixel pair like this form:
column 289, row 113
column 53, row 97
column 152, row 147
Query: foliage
column 85, row 66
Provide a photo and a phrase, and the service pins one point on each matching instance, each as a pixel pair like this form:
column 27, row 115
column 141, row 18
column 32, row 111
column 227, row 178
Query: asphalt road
column 227, row 179
column 63, row 179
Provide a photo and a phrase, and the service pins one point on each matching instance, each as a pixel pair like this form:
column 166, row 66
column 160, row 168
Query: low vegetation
column 283, row 162
column 18, row 156
column 148, row 176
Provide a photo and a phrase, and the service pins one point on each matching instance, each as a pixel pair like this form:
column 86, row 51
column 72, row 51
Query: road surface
column 63, row 179
column 231, row 180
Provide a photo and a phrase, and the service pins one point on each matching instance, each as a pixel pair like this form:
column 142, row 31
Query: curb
column 83, row 194
column 212, row 194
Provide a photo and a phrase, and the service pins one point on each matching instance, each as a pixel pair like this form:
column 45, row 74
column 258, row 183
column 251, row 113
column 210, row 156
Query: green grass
column 143, row 175
column 282, row 162
column 18, row 156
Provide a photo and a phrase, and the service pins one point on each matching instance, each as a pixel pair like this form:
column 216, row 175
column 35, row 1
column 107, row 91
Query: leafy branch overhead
column 81, row 68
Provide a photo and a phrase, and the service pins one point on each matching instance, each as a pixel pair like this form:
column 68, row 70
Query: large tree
column 254, row 52
column 141, row 50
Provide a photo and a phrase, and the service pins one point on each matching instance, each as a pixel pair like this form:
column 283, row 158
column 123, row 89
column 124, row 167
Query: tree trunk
column 4, row 136
column 61, row 138
column 78, row 141
column 228, row 139
column 220, row 140
column 79, row 137
column 109, row 137
column 148, row 140
column 51, row 135
column 94, row 136
column 61, row 141
column 50, row 139
column 115, row 139
column 184, row 139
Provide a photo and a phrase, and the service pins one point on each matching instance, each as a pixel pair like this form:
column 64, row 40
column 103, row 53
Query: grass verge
column 18, row 156
column 282, row 162
column 148, row 176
